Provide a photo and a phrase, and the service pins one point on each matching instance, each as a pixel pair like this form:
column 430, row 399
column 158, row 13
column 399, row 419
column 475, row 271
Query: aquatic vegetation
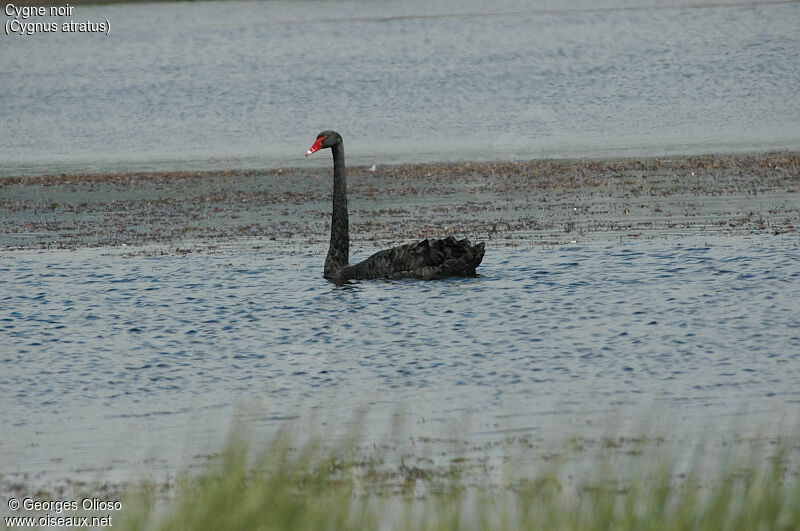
column 515, row 203
column 314, row 487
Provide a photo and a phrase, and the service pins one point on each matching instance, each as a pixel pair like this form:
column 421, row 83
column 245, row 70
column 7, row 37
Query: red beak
column 316, row 147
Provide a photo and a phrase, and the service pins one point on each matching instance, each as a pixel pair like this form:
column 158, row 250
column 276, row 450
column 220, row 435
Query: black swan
column 428, row 259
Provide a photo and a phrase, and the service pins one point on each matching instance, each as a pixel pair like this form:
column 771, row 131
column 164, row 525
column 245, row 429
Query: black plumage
column 428, row 259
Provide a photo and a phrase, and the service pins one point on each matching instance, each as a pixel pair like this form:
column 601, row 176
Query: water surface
column 110, row 359
column 204, row 85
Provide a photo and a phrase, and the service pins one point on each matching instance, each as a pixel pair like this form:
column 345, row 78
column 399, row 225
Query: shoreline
column 418, row 467
column 695, row 159
column 539, row 202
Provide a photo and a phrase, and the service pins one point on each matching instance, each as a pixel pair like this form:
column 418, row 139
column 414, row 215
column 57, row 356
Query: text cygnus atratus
column 428, row 259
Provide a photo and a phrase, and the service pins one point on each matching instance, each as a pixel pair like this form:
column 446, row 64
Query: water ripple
column 109, row 339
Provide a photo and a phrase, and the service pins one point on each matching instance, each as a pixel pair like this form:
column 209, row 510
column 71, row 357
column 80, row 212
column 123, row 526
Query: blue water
column 108, row 359
column 114, row 360
column 204, row 85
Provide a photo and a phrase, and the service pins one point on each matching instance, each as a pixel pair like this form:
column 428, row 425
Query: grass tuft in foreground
column 631, row 486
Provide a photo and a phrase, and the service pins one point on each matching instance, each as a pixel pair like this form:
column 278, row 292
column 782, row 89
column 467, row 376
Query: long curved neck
column 339, row 251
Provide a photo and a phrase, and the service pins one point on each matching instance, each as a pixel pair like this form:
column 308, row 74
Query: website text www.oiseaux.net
column 54, row 513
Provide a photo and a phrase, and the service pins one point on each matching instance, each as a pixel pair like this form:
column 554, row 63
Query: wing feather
column 427, row 259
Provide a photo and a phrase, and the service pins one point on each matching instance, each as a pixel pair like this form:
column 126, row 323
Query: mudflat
column 511, row 203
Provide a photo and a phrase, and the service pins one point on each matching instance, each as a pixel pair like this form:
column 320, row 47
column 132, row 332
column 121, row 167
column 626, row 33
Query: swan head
column 325, row 139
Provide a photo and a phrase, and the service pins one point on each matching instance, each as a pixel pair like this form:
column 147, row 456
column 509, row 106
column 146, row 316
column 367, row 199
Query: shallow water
column 204, row 85
column 108, row 360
